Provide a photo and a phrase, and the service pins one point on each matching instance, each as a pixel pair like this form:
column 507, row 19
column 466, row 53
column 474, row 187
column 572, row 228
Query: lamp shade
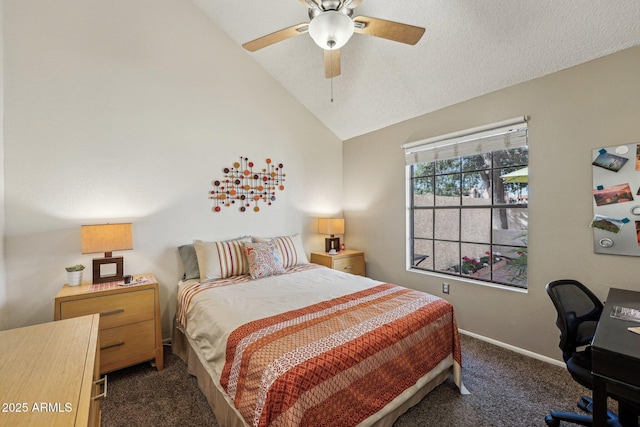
column 331, row 226
column 106, row 238
column 331, row 30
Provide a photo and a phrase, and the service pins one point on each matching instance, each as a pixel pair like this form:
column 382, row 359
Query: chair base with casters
column 554, row 418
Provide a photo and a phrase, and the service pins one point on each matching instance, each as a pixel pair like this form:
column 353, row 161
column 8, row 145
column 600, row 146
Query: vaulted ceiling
column 470, row 48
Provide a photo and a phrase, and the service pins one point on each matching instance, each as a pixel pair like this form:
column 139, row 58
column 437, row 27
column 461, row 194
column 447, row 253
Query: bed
column 302, row 344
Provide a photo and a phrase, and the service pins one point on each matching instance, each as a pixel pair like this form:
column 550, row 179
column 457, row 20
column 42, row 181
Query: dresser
column 49, row 374
column 130, row 326
column 349, row 261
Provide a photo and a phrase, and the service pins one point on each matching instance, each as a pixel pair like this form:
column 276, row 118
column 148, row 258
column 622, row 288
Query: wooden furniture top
column 47, row 371
column 85, row 289
column 341, row 254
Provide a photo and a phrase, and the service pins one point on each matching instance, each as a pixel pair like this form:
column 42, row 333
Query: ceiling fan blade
column 353, row 3
column 331, row 63
column 276, row 37
column 403, row 33
column 310, row 3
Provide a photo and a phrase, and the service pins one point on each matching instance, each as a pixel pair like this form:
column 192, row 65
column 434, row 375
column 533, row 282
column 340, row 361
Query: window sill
column 469, row 280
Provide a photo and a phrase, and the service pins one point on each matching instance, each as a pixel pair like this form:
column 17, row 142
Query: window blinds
column 483, row 139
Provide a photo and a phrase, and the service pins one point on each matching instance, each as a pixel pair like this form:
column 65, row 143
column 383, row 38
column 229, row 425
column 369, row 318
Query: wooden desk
column 615, row 357
column 49, row 372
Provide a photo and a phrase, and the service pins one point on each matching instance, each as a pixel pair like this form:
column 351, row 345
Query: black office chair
column 578, row 313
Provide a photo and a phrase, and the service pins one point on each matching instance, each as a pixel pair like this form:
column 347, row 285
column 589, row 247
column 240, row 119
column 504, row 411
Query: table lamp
column 106, row 238
column 331, row 226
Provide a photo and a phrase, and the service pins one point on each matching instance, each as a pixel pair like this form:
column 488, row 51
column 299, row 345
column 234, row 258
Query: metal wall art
column 243, row 185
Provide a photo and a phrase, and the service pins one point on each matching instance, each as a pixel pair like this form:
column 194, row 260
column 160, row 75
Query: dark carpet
column 507, row 389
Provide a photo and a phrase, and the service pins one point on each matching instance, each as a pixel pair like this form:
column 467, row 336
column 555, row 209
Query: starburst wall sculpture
column 243, row 186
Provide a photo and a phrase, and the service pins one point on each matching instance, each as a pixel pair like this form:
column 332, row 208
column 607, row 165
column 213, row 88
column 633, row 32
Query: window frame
column 495, row 171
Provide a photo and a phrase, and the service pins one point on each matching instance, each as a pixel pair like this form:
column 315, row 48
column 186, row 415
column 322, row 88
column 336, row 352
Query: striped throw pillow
column 291, row 249
column 220, row 260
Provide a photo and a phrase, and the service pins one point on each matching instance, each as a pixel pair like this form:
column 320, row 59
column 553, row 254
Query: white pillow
column 290, row 247
column 219, row 260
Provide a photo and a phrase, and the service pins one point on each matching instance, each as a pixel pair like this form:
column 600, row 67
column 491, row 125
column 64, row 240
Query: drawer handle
column 102, row 395
column 118, row 344
column 348, row 267
column 109, row 313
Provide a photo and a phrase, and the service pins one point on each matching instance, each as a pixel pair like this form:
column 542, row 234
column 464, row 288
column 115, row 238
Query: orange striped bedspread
column 339, row 361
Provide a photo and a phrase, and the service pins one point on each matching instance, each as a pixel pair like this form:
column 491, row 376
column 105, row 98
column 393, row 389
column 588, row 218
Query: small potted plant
column 74, row 274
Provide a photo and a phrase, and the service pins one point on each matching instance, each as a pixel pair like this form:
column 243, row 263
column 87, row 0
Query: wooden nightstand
column 346, row 260
column 130, row 327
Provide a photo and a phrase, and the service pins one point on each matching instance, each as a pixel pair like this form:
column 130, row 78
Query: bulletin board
column 616, row 200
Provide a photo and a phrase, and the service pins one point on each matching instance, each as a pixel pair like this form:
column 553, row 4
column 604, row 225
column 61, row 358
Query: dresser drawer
column 125, row 341
column 353, row 265
column 115, row 310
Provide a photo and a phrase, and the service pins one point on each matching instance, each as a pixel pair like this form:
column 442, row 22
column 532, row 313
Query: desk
column 615, row 354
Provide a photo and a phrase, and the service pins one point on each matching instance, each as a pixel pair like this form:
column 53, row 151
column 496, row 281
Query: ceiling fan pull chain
column 331, row 66
column 331, row 43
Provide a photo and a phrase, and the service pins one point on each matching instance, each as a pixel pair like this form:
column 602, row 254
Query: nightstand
column 130, row 326
column 346, row 260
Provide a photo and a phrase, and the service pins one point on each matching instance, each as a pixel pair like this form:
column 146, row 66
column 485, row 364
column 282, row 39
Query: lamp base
column 332, row 243
column 97, row 269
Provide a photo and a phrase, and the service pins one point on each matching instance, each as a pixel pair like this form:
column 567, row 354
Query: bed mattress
column 314, row 346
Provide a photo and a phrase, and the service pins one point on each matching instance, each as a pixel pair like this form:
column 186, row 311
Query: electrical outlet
column 445, row 288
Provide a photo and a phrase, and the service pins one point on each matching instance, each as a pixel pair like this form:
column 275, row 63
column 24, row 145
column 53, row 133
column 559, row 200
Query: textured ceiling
column 470, row 48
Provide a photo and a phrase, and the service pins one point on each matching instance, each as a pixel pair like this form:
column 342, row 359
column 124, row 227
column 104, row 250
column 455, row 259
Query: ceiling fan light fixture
column 331, row 29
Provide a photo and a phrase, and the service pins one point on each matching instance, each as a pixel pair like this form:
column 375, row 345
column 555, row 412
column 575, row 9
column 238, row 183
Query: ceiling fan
column 332, row 24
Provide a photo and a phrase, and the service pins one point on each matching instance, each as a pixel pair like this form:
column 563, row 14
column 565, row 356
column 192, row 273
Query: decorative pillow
column 219, row 260
column 264, row 259
column 291, row 249
column 189, row 262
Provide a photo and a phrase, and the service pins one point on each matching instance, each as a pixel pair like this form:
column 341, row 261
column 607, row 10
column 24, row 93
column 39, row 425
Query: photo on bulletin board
column 613, row 225
column 620, row 193
column 638, row 232
column 610, row 161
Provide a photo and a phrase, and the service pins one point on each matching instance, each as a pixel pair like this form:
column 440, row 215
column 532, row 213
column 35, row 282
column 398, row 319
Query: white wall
column 3, row 281
column 127, row 111
column 571, row 112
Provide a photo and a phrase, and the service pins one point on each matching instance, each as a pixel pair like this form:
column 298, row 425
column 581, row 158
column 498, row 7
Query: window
column 467, row 196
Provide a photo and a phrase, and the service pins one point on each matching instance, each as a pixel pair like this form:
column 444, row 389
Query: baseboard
column 514, row 348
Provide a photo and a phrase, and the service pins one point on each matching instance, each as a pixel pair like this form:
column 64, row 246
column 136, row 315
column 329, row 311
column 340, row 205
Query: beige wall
column 127, row 111
column 571, row 112
column 3, row 281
